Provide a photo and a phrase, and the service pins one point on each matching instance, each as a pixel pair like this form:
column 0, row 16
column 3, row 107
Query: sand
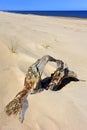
column 24, row 39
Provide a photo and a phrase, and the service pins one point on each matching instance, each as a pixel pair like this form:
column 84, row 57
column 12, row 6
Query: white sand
column 32, row 37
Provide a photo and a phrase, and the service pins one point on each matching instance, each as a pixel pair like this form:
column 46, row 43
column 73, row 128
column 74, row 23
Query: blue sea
column 77, row 14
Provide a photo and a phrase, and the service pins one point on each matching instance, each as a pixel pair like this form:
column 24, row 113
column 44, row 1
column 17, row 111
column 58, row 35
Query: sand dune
column 24, row 39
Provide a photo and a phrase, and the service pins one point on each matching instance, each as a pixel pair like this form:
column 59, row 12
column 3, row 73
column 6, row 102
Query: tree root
column 32, row 84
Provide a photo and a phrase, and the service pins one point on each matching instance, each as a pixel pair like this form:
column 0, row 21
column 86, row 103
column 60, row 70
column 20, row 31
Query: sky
column 43, row 5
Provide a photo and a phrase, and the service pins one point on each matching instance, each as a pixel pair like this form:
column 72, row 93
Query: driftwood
column 58, row 76
column 32, row 84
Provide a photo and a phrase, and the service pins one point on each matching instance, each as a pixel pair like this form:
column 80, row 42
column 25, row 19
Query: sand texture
column 24, row 39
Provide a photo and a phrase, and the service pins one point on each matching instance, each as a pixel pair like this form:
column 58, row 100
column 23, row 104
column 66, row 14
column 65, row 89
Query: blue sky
column 43, row 4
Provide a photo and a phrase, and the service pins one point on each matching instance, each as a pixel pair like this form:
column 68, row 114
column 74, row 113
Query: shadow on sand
column 46, row 81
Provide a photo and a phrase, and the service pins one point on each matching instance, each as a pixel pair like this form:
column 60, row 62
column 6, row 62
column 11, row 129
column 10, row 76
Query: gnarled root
column 18, row 105
column 32, row 84
column 13, row 107
column 59, row 75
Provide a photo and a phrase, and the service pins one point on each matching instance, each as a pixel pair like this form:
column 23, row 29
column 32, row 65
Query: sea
column 76, row 14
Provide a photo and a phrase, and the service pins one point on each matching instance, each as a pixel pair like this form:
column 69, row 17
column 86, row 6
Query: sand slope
column 31, row 37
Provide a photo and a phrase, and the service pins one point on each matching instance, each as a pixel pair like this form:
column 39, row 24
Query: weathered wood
column 32, row 84
column 59, row 76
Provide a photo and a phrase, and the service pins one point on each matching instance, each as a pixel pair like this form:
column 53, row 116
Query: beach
column 23, row 40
